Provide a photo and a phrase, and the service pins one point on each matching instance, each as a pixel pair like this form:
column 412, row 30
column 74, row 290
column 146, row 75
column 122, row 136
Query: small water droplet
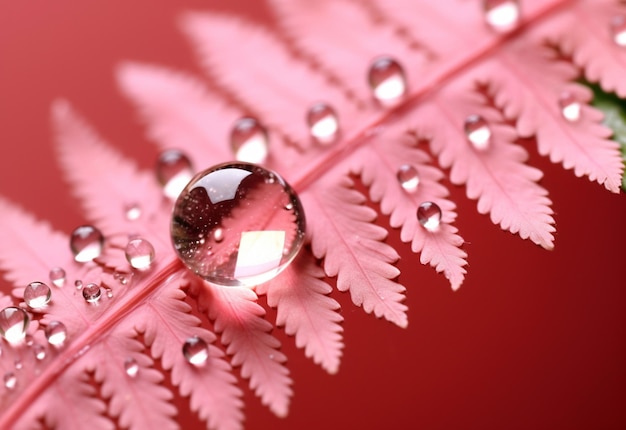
column 478, row 132
column 92, row 293
column 131, row 367
column 86, row 243
column 570, row 106
column 502, row 15
column 28, row 340
column 323, row 123
column 249, row 140
column 387, row 80
column 57, row 276
column 140, row 254
column 132, row 211
column 196, row 351
column 37, row 295
column 56, row 333
column 10, row 380
column 109, row 293
column 256, row 235
column 39, row 351
column 408, row 178
column 19, row 365
column 173, row 170
column 218, row 235
column 13, row 324
column 78, row 284
column 618, row 30
column 429, row 215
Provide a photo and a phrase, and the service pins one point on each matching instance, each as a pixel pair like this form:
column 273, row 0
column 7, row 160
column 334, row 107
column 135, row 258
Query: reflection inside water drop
column 140, row 253
column 92, row 293
column 387, row 80
column 323, row 123
column 408, row 178
column 173, row 171
column 86, row 243
column 429, row 216
column 570, row 106
column 249, row 140
column 56, row 333
column 13, row 324
column 502, row 15
column 57, row 276
column 477, row 131
column 196, row 351
column 131, row 367
column 37, row 295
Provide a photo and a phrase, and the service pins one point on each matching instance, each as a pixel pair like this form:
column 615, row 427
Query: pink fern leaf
column 305, row 310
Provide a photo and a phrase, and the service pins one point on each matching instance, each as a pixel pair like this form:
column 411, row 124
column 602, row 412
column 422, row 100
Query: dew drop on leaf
column 86, row 243
column 132, row 212
column 57, row 276
column 196, row 351
column 502, row 15
column 323, row 123
column 56, row 333
column 429, row 215
column 249, row 140
column 13, row 324
column 477, row 131
column 570, row 106
column 246, row 205
column 140, row 253
column 173, row 171
column 408, row 178
column 39, row 351
column 618, row 30
column 131, row 367
column 10, row 380
column 92, row 293
column 387, row 80
column 37, row 295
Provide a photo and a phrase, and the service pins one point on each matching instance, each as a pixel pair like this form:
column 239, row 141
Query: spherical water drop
column 131, row 367
column 323, row 123
column 109, row 293
column 249, row 140
column 387, row 81
column 477, row 131
column 57, row 276
column 132, row 212
column 140, row 254
column 86, row 243
column 13, row 324
column 502, row 15
column 56, row 333
column 618, row 30
column 570, row 106
column 196, row 351
column 28, row 340
column 92, row 293
column 39, row 351
column 429, row 215
column 10, row 380
column 78, row 284
column 408, row 178
column 259, row 236
column 173, row 170
column 19, row 365
column 37, row 295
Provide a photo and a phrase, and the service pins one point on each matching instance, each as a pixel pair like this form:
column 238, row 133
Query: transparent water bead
column 140, row 254
column 429, row 215
column 92, row 293
column 618, row 30
column 86, row 243
column 408, row 178
column 196, row 351
column 502, row 15
column 387, row 80
column 570, row 106
column 10, row 380
column 13, row 324
column 249, row 140
column 132, row 212
column 323, row 123
column 57, row 276
column 131, row 367
column 37, row 295
column 173, row 171
column 477, row 131
column 237, row 224
column 56, row 333
column 39, row 351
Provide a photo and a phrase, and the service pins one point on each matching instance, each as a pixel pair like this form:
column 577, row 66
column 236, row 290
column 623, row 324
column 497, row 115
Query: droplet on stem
column 10, row 380
column 140, row 254
column 408, row 178
column 13, row 324
column 387, row 80
column 131, row 367
column 502, row 15
column 618, row 30
column 249, row 140
column 477, row 131
column 37, row 295
column 92, row 293
column 196, row 351
column 323, row 123
column 570, row 106
column 173, row 171
column 231, row 225
column 429, row 215
column 86, row 243
column 57, row 276
column 56, row 333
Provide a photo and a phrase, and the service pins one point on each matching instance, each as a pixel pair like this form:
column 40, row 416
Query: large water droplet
column 477, row 131
column 37, row 295
column 173, row 170
column 56, row 333
column 39, row 351
column 57, row 276
column 231, row 225
column 502, row 15
column 131, row 367
column 618, row 30
column 429, row 215
column 13, row 324
column 132, row 211
column 196, row 351
column 92, row 293
column 570, row 106
column 140, row 253
column 10, row 380
column 387, row 80
column 323, row 123
column 408, row 178
column 249, row 140
column 86, row 243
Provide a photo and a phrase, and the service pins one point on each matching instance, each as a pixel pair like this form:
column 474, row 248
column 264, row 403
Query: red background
column 534, row 339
